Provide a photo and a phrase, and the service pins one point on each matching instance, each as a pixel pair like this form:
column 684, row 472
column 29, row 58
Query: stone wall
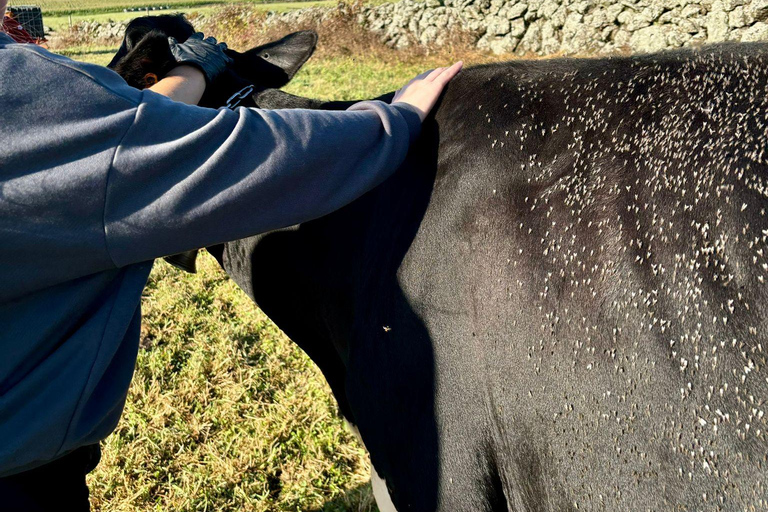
column 567, row 27
column 109, row 31
column 544, row 27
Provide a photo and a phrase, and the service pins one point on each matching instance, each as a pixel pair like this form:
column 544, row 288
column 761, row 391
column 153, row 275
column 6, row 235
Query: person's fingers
column 447, row 75
column 421, row 76
column 434, row 74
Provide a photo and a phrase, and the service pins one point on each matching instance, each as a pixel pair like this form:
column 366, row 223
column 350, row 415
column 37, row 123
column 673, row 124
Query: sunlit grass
column 60, row 22
column 224, row 412
column 63, row 7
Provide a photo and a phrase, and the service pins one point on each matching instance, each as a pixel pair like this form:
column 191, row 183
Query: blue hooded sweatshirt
column 96, row 181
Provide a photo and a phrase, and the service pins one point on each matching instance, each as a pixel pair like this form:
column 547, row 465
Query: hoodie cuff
column 412, row 117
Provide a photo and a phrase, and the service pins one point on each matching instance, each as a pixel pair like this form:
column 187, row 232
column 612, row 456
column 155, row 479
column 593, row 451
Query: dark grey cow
column 558, row 302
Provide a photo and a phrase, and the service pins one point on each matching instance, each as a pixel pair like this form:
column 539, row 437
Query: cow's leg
column 380, row 492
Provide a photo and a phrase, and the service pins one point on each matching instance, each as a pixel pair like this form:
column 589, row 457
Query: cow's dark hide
column 558, row 302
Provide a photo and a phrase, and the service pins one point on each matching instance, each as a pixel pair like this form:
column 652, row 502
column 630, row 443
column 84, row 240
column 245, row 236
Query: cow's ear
column 275, row 63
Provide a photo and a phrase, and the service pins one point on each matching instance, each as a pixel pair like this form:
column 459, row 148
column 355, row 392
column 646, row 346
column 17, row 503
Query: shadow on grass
column 358, row 499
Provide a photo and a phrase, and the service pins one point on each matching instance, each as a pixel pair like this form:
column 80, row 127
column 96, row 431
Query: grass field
column 59, row 21
column 62, row 7
column 224, row 412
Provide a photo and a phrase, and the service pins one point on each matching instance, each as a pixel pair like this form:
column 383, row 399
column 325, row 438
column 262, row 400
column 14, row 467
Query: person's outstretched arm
column 185, row 177
column 201, row 60
column 100, row 175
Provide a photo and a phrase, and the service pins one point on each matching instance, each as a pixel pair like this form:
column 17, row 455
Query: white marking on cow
column 380, row 492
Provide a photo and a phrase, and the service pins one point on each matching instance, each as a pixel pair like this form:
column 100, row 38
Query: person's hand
column 422, row 92
column 205, row 54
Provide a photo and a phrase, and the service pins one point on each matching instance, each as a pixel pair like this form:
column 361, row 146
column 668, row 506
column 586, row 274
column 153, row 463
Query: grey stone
column 558, row 17
column 758, row 9
column 607, row 33
column 429, row 35
column 581, row 7
column 600, row 17
column 472, row 12
column 442, row 21
column 687, row 26
column 516, row 10
column 550, row 38
column 632, row 20
column 737, row 18
column 542, row 26
column 717, row 23
column 496, row 6
column 517, row 28
column 691, row 10
column 649, row 39
column 729, row 5
column 548, row 8
column 476, row 26
column 497, row 26
column 670, row 16
column 531, row 41
column 621, row 39
column 506, row 44
column 757, row 32
column 484, row 43
column 676, row 37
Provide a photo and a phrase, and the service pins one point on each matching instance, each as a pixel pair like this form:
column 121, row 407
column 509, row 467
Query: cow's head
column 145, row 57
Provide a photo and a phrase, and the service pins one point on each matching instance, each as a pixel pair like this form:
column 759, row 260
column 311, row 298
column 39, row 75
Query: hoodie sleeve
column 185, row 177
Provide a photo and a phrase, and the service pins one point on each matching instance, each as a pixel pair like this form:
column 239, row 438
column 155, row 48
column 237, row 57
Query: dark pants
column 56, row 486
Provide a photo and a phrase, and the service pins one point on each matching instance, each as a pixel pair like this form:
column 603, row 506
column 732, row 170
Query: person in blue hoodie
column 101, row 179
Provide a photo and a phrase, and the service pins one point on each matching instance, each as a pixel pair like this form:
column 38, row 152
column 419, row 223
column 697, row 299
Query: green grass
column 225, row 413
column 349, row 78
column 62, row 7
column 62, row 21
column 100, row 55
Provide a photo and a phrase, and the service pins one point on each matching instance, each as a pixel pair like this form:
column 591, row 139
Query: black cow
column 558, row 302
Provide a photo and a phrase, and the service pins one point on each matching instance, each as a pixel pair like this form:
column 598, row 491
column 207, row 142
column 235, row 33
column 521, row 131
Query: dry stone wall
column 567, row 27
column 545, row 27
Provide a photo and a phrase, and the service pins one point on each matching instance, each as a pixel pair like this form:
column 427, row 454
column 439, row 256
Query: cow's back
column 558, row 302
column 591, row 274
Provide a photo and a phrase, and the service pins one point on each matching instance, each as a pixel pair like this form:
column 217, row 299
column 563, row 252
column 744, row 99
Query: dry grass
column 340, row 35
column 224, row 412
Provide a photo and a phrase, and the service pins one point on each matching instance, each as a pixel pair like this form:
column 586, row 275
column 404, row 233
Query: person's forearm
column 185, row 84
column 212, row 176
